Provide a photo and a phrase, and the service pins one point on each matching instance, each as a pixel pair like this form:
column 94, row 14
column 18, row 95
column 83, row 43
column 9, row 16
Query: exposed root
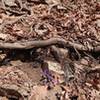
column 43, row 43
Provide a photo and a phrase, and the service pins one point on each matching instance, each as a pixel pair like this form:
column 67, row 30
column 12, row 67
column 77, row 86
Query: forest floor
column 49, row 50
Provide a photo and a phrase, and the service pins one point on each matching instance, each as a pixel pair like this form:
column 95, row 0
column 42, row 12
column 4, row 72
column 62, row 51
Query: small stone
column 10, row 2
column 2, row 56
column 26, row 84
column 9, row 86
column 24, row 92
column 98, row 23
column 84, row 61
column 16, row 63
column 56, row 67
column 88, row 84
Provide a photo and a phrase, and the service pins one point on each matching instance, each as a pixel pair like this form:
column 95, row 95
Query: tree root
column 43, row 43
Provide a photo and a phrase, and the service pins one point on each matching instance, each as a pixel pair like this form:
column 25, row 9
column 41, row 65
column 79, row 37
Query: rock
column 16, row 63
column 14, row 87
column 54, row 66
column 98, row 23
column 84, row 61
column 2, row 56
column 24, row 92
column 12, row 78
column 10, row 2
column 64, row 52
column 88, row 84
column 3, row 36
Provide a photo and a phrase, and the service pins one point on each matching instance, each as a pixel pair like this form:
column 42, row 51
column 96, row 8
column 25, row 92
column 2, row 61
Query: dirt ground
column 49, row 49
column 30, row 73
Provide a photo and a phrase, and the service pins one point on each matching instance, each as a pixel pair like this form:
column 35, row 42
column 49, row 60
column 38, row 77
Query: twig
column 15, row 12
column 79, row 56
column 96, row 69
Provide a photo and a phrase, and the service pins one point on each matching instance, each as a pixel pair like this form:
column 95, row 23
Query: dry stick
column 43, row 43
column 95, row 69
column 79, row 56
column 15, row 11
